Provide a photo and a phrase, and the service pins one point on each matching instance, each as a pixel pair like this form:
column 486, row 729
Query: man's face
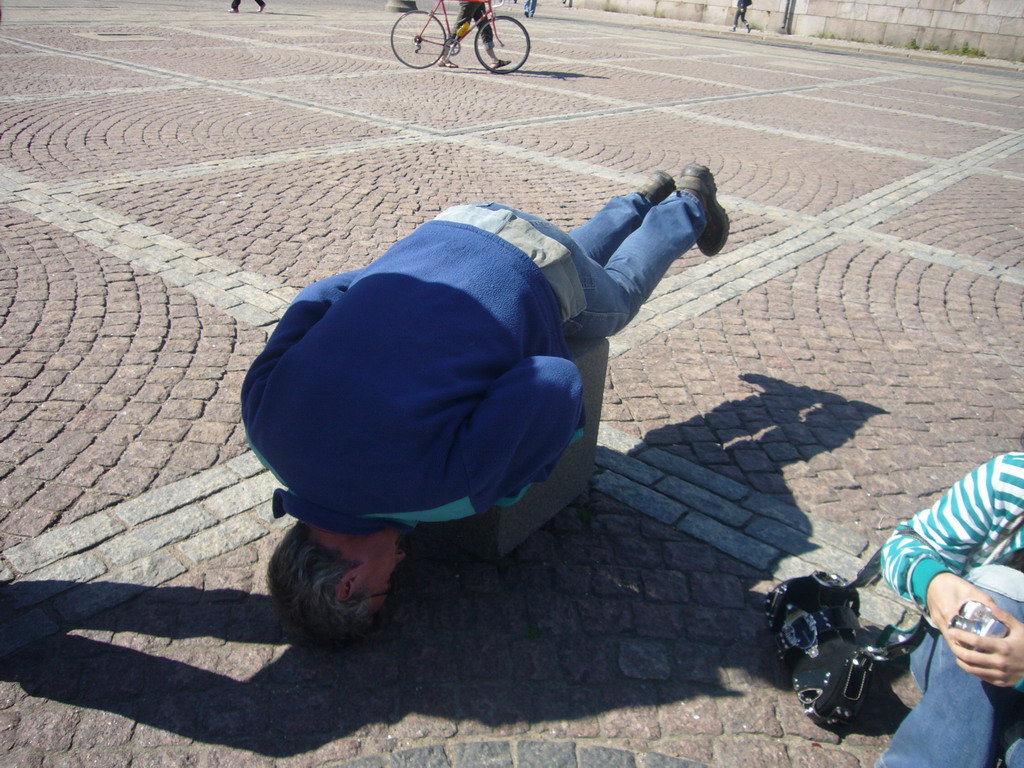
column 375, row 556
column 382, row 569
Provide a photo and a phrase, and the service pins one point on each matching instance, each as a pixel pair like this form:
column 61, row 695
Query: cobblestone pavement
column 171, row 175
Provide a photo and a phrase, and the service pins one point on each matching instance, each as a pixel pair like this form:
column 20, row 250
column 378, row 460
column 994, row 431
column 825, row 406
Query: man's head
column 327, row 586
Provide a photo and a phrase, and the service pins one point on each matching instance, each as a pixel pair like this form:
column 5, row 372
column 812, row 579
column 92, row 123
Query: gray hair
column 303, row 578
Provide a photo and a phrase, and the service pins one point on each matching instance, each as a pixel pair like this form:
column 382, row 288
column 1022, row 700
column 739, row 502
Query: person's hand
column 946, row 593
column 996, row 660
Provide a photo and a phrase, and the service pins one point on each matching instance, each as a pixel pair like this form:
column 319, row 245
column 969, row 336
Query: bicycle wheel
column 418, row 39
column 511, row 44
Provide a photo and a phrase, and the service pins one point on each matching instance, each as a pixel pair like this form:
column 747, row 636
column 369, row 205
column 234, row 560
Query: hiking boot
column 699, row 180
column 658, row 186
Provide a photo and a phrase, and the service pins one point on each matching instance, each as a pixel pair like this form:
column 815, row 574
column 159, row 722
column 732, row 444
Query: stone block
column 493, row 754
column 825, row 8
column 812, row 26
column 1008, row 8
column 982, row 23
column 498, row 531
column 421, row 757
column 949, row 20
column 1009, row 47
column 1012, row 27
column 60, row 542
column 641, row 7
column 885, row 14
column 942, row 39
column 542, row 754
column 916, row 17
column 25, row 630
column 54, row 579
column 641, row 498
column 226, row 537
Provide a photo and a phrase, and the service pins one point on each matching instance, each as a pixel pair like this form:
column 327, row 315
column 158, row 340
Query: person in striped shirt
column 968, row 546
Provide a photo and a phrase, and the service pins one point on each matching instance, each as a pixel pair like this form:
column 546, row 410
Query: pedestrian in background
column 236, row 3
column 741, row 14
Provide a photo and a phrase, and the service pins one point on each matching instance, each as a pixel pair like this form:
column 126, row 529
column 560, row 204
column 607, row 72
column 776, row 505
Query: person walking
column 236, row 3
column 470, row 11
column 741, row 14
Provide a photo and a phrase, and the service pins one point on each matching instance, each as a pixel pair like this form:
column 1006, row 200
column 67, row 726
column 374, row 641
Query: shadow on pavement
column 750, row 440
column 559, row 75
column 604, row 621
column 588, row 624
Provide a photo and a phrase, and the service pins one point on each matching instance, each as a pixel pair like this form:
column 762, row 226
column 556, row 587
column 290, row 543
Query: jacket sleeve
column 517, row 433
column 302, row 314
column 962, row 527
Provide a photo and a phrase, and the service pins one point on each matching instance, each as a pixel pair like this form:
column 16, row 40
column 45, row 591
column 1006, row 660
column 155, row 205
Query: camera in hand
column 977, row 618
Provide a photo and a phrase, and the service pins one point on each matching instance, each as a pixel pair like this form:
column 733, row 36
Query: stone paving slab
column 900, row 132
column 817, row 176
column 776, row 409
column 90, row 141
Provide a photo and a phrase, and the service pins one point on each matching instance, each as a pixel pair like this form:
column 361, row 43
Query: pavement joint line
column 754, row 267
column 120, row 236
column 801, row 135
column 218, row 167
column 802, row 242
column 47, row 205
column 152, row 538
column 905, row 113
column 91, row 94
column 235, row 87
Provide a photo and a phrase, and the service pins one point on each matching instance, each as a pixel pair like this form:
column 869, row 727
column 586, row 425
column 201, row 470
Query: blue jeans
column 960, row 718
column 622, row 253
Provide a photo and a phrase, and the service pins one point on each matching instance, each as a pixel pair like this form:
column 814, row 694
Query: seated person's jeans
column 960, row 719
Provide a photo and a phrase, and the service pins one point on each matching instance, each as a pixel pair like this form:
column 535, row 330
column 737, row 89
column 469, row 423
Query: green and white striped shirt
column 962, row 530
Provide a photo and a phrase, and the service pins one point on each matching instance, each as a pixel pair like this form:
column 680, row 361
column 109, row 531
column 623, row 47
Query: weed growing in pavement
column 913, row 45
column 966, row 50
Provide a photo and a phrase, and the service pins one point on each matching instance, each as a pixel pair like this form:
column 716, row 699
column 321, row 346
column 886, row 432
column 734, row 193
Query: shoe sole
column 713, row 211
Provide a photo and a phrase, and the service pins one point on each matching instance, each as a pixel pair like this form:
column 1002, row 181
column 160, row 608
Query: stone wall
column 993, row 26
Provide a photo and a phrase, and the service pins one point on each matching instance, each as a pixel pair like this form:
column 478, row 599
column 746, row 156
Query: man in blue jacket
column 436, row 382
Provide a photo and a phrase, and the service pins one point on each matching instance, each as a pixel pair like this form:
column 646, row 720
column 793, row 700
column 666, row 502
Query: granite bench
column 501, row 529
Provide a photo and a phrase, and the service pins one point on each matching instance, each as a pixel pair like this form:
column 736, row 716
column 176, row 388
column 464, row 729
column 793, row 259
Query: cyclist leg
column 467, row 13
column 487, row 36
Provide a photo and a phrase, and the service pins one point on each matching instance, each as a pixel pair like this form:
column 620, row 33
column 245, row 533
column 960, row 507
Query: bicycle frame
column 474, row 24
column 420, row 39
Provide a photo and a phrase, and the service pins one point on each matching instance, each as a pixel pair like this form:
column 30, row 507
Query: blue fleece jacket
column 428, row 386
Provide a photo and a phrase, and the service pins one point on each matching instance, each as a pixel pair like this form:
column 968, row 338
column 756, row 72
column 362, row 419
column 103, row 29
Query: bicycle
column 420, row 38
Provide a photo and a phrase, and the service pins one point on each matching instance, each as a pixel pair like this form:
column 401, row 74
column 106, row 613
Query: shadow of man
column 753, row 438
column 600, row 611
